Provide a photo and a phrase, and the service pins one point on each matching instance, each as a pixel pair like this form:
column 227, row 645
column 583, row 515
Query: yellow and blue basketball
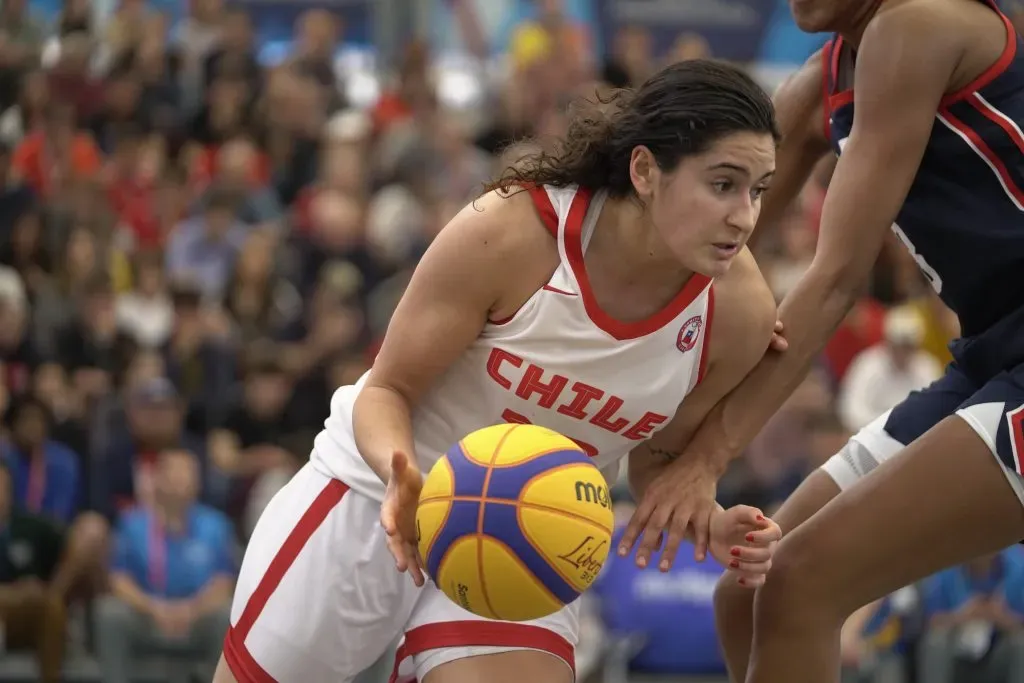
column 514, row 522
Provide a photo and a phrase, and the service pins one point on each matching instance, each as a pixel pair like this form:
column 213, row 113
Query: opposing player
column 582, row 295
column 922, row 100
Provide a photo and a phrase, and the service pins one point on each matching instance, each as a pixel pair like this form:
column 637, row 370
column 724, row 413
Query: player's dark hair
column 680, row 111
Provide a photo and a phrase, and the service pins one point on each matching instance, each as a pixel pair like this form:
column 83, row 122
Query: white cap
column 903, row 326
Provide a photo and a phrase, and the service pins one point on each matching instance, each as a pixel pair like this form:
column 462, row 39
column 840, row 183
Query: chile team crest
column 688, row 334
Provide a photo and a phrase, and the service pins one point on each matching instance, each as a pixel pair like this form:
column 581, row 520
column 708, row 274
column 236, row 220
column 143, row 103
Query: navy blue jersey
column 963, row 220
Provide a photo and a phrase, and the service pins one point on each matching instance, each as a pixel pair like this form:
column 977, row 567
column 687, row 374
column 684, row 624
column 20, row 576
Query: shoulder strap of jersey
column 545, row 209
column 826, row 87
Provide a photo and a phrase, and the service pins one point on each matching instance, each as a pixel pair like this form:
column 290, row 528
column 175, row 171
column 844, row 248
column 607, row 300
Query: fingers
column 742, row 553
column 701, row 535
column 674, row 538
column 415, row 564
column 636, row 525
column 771, row 534
column 388, row 521
column 407, row 559
column 653, row 534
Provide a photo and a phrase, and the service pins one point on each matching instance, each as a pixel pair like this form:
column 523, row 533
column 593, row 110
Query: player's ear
column 643, row 172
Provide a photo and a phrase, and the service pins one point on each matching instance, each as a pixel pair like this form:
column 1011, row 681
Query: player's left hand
column 744, row 540
column 679, row 498
column 778, row 342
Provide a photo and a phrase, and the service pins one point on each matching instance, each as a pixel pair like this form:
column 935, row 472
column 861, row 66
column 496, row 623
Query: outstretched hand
column 398, row 515
column 744, row 540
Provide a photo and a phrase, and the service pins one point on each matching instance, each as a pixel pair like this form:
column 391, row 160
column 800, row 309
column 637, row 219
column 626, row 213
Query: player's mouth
column 726, row 249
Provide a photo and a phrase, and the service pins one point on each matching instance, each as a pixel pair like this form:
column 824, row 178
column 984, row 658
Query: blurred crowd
column 197, row 247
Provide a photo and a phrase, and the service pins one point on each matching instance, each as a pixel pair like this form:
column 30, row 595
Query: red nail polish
column 734, row 564
column 750, row 538
column 735, row 552
column 760, row 518
column 743, row 582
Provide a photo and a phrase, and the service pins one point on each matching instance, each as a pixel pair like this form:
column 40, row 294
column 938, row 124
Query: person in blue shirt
column 46, row 483
column 45, row 472
column 172, row 575
column 976, row 622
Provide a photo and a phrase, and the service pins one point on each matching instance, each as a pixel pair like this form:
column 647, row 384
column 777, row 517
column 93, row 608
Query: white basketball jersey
column 560, row 362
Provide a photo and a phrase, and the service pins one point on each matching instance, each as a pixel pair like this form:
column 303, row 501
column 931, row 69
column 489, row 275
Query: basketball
column 514, row 522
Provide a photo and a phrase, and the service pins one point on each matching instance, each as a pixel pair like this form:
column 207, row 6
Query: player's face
column 706, row 208
column 814, row 16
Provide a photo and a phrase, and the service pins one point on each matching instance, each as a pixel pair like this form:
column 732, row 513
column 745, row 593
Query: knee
column 796, row 586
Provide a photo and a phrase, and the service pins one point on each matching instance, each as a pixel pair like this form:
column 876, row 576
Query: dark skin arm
column 904, row 67
column 799, row 109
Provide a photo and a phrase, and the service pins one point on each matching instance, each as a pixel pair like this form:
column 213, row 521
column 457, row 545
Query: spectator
column 885, row 374
column 203, row 249
column 976, row 614
column 234, row 57
column 154, row 421
column 45, row 472
column 49, row 159
column 146, row 312
column 172, row 576
column 255, row 437
column 19, row 353
column 877, row 639
column 28, row 112
column 92, row 347
column 33, row 614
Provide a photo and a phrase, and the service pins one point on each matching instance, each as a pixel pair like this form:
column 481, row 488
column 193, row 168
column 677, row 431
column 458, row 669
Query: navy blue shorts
column 984, row 385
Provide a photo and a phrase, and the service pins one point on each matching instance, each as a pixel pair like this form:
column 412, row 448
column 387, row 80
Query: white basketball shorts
column 318, row 599
column 993, row 408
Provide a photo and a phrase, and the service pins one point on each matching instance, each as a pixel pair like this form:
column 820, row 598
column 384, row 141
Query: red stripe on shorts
column 483, row 634
column 238, row 658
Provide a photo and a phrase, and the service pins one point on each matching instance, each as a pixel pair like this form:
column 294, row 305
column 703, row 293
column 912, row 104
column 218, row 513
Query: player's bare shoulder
column 506, row 223
column 800, row 104
column 745, row 312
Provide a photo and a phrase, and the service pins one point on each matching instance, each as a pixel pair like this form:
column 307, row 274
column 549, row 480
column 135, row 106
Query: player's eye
column 723, row 186
column 757, row 192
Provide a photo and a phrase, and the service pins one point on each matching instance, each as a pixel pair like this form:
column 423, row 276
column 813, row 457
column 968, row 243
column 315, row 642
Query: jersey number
column 512, row 417
column 929, row 272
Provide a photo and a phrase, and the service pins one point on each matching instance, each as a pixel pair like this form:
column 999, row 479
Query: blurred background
column 208, row 211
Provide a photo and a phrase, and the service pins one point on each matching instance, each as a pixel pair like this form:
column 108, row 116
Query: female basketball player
column 923, row 100
column 582, row 296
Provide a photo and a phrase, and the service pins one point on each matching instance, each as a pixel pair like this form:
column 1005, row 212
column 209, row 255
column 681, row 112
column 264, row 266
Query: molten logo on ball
column 592, row 493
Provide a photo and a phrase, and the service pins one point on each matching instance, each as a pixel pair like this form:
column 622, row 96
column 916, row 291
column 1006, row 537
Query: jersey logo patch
column 688, row 334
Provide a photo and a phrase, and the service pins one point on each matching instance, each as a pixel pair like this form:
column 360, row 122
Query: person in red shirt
column 49, row 158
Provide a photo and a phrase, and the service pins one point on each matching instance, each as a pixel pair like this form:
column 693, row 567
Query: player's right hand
column 398, row 515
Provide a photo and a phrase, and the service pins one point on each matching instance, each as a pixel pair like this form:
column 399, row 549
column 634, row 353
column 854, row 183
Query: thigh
column 317, row 597
column 890, row 432
column 996, row 414
column 942, row 501
column 440, row 633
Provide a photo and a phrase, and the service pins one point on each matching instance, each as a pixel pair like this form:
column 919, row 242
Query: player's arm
column 741, row 330
column 462, row 280
column 800, row 112
column 904, row 65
